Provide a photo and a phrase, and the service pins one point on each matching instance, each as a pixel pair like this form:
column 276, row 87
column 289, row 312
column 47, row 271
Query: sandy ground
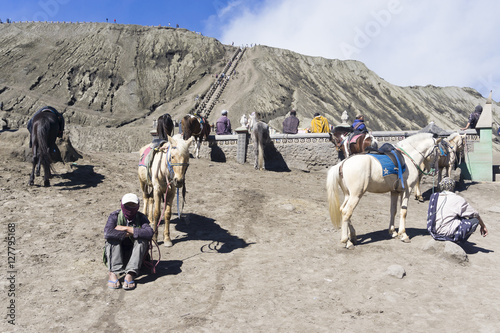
column 253, row 252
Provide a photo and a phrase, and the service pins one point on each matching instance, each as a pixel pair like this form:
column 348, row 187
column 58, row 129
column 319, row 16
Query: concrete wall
column 301, row 151
column 314, row 151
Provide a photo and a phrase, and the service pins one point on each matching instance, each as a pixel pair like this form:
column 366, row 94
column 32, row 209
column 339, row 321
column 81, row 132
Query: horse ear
column 171, row 140
column 189, row 141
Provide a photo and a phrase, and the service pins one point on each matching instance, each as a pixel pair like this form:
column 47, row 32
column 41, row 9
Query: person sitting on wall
column 223, row 124
column 473, row 118
column 359, row 125
column 319, row 124
column 291, row 123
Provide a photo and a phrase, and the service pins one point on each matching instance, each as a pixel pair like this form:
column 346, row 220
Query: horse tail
column 261, row 153
column 261, row 138
column 332, row 189
column 186, row 130
column 206, row 128
column 40, row 141
column 165, row 126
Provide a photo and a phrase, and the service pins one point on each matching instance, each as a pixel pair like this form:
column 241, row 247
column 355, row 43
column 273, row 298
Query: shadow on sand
column 197, row 227
column 381, row 235
column 83, row 176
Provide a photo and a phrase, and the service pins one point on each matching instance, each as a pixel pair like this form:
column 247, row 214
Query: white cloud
column 444, row 43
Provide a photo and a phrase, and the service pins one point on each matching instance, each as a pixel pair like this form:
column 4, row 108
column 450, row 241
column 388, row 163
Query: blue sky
column 406, row 42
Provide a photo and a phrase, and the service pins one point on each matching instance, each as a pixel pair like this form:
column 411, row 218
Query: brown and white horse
column 195, row 126
column 349, row 145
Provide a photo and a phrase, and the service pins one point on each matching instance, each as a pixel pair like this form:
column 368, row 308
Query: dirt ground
column 253, row 252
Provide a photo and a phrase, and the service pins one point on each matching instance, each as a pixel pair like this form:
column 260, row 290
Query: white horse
column 260, row 137
column 166, row 172
column 361, row 173
column 453, row 147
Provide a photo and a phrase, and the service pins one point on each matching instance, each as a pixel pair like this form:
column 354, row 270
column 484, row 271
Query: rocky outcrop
column 103, row 74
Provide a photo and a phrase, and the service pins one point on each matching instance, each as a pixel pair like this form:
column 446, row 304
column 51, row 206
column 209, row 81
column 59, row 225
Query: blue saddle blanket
column 388, row 166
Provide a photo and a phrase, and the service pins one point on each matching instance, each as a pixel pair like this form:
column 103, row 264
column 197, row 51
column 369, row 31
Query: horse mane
column 181, row 144
column 415, row 138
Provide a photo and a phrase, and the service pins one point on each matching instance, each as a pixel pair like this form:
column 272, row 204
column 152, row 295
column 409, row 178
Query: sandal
column 128, row 285
column 114, row 284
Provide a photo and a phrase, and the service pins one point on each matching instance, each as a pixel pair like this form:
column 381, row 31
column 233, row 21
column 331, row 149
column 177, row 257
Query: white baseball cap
column 130, row 197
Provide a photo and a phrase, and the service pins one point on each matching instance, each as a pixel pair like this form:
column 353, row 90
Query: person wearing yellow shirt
column 319, row 124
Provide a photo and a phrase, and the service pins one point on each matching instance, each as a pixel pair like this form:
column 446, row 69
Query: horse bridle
column 433, row 151
column 171, row 165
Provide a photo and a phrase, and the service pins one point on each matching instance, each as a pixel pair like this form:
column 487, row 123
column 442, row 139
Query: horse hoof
column 167, row 243
column 46, row 183
column 406, row 239
column 349, row 245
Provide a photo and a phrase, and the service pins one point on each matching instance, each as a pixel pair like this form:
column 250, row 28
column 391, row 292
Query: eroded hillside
column 106, row 77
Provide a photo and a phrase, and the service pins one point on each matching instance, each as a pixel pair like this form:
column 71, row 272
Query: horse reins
column 425, row 157
column 170, row 173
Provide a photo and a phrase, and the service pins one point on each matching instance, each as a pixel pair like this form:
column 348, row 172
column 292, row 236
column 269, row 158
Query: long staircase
column 214, row 92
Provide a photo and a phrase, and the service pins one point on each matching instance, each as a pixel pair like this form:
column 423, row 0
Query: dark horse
column 164, row 126
column 46, row 127
column 349, row 143
column 196, row 126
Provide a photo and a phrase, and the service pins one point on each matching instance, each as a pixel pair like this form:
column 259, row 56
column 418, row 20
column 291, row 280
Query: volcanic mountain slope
column 109, row 76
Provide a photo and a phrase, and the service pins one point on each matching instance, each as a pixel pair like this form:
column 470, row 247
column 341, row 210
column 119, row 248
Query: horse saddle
column 156, row 143
column 144, row 160
column 354, row 137
column 148, row 155
column 443, row 148
column 390, row 158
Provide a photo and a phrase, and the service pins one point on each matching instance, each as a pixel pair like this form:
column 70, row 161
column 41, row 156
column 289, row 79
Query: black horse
column 46, row 127
column 164, row 126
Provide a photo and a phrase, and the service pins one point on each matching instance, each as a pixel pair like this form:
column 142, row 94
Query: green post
column 480, row 160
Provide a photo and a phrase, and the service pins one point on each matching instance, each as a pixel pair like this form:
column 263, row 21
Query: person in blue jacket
column 359, row 124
